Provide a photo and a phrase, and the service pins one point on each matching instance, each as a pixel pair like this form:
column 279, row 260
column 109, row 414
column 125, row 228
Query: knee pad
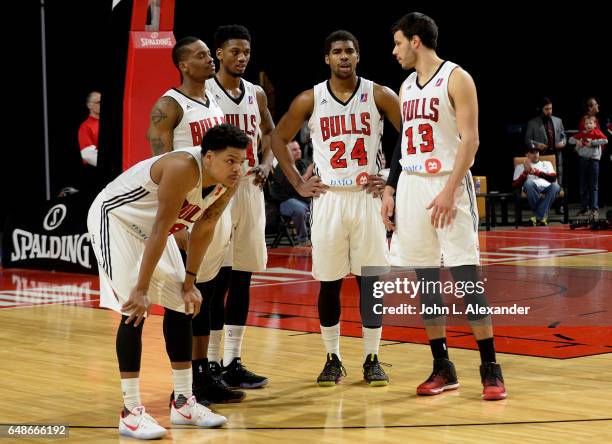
column 129, row 346
column 177, row 333
column 329, row 303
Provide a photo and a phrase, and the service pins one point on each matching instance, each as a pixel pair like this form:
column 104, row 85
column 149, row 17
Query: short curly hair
column 340, row 36
column 224, row 136
column 229, row 32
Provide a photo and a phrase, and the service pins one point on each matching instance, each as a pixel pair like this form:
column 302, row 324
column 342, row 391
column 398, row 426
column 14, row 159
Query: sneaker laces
column 149, row 418
column 439, row 369
column 374, row 369
column 241, row 369
column 198, row 410
column 331, row 366
column 492, row 375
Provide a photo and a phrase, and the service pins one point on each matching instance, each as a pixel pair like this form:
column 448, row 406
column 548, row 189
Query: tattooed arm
column 165, row 115
column 202, row 233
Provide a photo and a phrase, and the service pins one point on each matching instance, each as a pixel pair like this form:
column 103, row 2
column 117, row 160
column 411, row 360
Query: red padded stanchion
column 149, row 74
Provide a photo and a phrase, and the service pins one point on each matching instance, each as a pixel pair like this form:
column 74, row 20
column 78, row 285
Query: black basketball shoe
column 332, row 373
column 373, row 373
column 236, row 375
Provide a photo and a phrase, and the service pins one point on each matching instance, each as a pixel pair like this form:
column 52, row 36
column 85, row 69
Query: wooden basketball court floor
column 58, row 365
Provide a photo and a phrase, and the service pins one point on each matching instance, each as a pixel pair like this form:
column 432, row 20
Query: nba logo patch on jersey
column 250, row 100
column 188, row 106
column 364, row 97
column 439, row 81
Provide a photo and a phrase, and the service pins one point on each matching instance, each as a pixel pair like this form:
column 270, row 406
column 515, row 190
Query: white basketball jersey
column 198, row 117
column 430, row 138
column 242, row 112
column 132, row 197
column 346, row 137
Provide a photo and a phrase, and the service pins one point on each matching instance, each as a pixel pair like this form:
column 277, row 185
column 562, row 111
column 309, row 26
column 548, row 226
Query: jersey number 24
column 358, row 153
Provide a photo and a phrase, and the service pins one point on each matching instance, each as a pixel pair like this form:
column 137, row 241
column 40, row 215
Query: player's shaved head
column 181, row 51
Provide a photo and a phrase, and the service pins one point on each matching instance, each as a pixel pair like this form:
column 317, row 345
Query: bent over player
column 129, row 223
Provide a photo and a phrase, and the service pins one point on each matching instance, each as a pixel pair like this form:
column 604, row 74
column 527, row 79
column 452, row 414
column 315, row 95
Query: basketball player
column 435, row 215
column 140, row 264
column 246, row 106
column 345, row 118
column 179, row 119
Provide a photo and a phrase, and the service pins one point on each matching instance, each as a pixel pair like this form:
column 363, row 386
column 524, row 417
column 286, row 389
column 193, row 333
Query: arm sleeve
column 395, row 168
column 599, row 142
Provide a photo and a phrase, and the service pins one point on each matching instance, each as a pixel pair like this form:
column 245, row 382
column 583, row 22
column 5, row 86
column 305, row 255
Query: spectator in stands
column 88, row 131
column 589, row 143
column 537, row 178
column 591, row 109
column 546, row 133
column 291, row 203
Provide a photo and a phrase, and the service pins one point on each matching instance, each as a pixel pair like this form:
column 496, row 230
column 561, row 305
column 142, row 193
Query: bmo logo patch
column 361, row 179
column 340, row 182
column 433, row 165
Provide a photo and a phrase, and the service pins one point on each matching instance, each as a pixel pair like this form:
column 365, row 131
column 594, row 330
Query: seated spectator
column 537, row 178
column 291, row 203
column 546, row 133
column 589, row 143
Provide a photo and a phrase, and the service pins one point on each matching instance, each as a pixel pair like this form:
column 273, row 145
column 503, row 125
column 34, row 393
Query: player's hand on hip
column 443, row 209
column 138, row 306
column 386, row 211
column 313, row 187
column 260, row 174
column 375, row 186
column 193, row 300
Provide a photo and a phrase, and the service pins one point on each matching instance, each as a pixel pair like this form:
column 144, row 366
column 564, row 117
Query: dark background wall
column 516, row 55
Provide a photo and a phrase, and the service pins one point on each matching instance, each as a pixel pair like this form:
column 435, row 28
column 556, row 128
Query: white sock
column 182, row 380
column 214, row 346
column 131, row 393
column 233, row 343
column 371, row 340
column 331, row 339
